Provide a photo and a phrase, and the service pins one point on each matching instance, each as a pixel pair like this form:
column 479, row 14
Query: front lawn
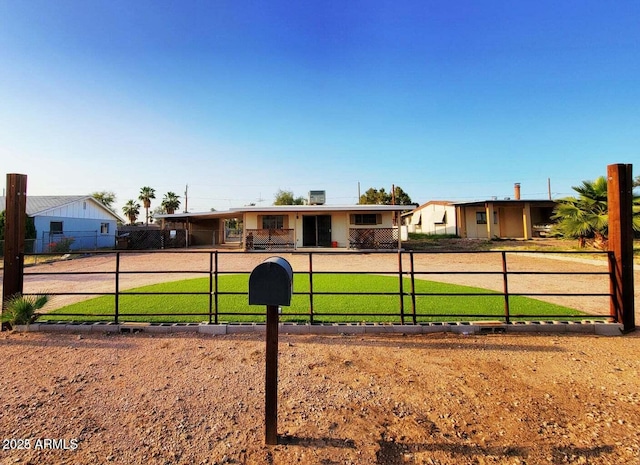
column 379, row 305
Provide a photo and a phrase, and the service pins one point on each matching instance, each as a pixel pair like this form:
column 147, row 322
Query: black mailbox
column 271, row 283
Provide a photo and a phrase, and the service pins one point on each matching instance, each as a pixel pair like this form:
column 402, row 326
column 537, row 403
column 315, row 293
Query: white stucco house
column 483, row 219
column 78, row 222
column 433, row 217
column 297, row 226
column 506, row 218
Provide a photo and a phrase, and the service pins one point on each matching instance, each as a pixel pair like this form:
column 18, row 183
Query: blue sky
column 454, row 100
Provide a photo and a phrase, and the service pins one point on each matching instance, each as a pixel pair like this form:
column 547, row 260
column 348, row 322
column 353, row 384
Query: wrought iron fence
column 404, row 304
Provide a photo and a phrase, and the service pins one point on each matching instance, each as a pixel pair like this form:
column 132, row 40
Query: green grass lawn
column 233, row 302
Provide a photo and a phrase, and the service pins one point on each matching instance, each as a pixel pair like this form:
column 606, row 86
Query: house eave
column 275, row 209
column 482, row 203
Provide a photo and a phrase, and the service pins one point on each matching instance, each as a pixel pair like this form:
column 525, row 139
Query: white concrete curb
column 598, row 327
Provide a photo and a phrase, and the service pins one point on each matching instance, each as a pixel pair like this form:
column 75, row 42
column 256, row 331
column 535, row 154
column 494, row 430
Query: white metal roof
column 289, row 209
column 326, row 208
column 39, row 204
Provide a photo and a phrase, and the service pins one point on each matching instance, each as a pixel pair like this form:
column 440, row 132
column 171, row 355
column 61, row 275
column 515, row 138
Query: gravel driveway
column 363, row 400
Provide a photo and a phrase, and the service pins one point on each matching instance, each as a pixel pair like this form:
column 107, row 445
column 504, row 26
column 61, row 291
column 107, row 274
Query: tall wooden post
column 620, row 205
column 14, row 230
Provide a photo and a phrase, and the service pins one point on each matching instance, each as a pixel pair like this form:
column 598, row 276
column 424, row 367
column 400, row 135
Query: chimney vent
column 516, row 190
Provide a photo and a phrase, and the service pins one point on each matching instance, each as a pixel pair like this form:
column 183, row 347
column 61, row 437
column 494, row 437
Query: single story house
column 433, row 217
column 513, row 219
column 70, row 222
column 484, row 219
column 297, row 226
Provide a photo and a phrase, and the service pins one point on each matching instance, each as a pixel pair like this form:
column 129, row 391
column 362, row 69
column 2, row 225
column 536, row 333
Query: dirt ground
column 392, row 399
column 361, row 399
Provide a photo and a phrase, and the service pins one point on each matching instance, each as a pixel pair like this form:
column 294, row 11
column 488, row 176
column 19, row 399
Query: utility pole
column 186, row 198
column 549, row 187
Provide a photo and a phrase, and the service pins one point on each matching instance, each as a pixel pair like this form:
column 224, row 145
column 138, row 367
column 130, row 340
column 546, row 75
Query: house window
column 273, row 222
column 55, row 227
column 366, row 219
column 440, row 218
column 104, row 228
column 481, row 217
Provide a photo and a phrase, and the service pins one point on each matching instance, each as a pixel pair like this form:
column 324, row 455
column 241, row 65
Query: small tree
column 375, row 197
column 286, row 198
column 401, row 197
column 131, row 210
column 106, row 198
column 146, row 195
column 154, row 213
column 381, row 197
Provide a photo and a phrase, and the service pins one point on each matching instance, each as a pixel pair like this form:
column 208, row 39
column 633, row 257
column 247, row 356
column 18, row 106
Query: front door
column 316, row 231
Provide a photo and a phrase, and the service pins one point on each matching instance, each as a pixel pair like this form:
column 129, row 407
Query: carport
column 204, row 228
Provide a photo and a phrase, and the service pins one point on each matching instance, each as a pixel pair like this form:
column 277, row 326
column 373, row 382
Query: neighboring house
column 77, row 222
column 484, row 219
column 433, row 217
column 514, row 219
column 297, row 226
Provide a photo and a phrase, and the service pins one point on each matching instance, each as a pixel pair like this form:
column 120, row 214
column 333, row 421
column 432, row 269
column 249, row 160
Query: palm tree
column 131, row 210
column 586, row 216
column 146, row 194
column 170, row 202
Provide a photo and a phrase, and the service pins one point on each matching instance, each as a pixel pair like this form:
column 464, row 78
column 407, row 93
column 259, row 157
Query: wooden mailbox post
column 271, row 284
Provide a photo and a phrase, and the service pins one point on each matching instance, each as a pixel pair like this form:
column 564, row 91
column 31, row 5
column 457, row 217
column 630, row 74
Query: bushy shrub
column 21, row 309
column 62, row 246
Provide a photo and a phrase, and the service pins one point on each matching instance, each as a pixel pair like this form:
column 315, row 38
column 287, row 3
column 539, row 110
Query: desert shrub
column 22, row 309
column 62, row 246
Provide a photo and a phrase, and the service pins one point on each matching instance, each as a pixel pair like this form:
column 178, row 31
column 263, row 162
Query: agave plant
column 22, row 309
